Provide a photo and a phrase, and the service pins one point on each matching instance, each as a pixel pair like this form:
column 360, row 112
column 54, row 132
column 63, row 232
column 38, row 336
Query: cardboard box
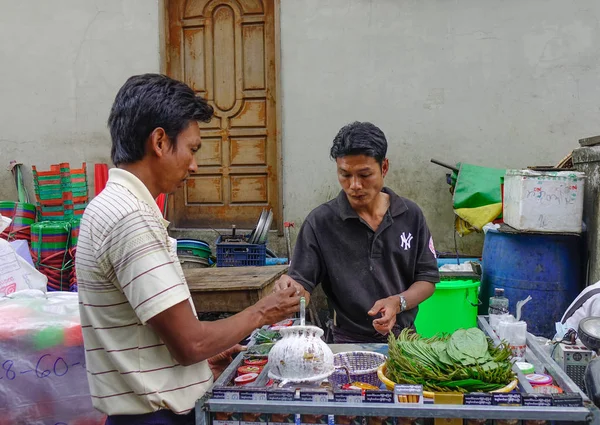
column 448, row 398
column 544, row 201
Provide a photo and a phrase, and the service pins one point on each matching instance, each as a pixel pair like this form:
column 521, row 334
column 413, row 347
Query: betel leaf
column 448, row 363
column 440, row 349
column 472, row 343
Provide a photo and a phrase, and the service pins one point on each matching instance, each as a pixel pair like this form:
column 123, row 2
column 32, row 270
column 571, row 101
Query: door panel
column 225, row 50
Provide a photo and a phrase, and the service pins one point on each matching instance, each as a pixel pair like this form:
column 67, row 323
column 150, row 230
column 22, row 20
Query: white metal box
column 544, row 201
column 573, row 359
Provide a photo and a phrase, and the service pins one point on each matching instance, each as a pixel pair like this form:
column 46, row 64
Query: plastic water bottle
column 498, row 303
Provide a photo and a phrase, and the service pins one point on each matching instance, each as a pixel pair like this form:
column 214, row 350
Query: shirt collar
column 130, row 182
column 397, row 205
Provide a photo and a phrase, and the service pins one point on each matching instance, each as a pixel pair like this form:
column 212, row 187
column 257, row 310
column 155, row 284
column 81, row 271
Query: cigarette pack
column 282, row 418
column 348, row 396
column 507, row 399
column 281, row 394
column 543, row 400
column 379, row 396
column 314, row 396
column 224, row 418
column 254, row 419
column 408, row 393
column 567, row 400
column 253, row 394
column 225, row 393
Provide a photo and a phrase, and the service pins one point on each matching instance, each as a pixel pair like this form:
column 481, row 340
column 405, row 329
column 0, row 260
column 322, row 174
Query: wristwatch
column 402, row 303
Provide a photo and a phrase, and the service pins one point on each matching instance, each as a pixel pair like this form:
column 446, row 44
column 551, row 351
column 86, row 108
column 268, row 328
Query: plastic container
column 256, row 362
column 547, row 389
column 243, row 370
column 238, row 254
column 539, row 379
column 498, row 303
column 525, row 368
column 545, row 266
column 452, row 306
column 22, row 215
column 192, row 247
column 544, row 201
column 245, row 379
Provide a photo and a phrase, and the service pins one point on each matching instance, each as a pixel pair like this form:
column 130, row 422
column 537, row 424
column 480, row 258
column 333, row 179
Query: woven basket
column 356, row 366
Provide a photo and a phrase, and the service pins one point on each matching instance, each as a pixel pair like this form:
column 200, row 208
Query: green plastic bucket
column 452, row 306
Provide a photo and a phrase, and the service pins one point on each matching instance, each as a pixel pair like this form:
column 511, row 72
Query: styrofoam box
column 544, row 201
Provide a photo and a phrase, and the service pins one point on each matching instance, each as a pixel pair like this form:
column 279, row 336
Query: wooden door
column 226, row 51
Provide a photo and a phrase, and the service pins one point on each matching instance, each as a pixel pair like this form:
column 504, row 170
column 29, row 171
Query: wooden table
column 230, row 289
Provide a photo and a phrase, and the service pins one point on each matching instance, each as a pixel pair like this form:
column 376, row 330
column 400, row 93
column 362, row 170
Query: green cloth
column 477, row 196
column 477, row 186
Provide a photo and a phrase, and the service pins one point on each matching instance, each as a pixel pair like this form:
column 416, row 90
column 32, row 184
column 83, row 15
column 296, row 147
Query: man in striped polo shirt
column 148, row 357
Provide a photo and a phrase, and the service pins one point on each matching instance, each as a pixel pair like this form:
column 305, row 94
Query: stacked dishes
column 259, row 235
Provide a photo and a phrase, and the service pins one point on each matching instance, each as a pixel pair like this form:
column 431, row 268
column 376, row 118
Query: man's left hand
column 220, row 362
column 389, row 308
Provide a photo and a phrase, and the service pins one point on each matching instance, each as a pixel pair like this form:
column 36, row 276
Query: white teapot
column 300, row 356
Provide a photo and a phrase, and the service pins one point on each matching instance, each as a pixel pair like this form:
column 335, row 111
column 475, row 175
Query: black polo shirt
column 357, row 266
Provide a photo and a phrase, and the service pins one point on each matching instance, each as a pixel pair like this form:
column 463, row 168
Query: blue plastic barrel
column 545, row 266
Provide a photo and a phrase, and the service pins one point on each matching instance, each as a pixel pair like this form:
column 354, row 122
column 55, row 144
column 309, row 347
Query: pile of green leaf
column 264, row 336
column 465, row 361
column 258, row 351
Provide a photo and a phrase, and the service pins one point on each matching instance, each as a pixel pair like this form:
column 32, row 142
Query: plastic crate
column 237, row 254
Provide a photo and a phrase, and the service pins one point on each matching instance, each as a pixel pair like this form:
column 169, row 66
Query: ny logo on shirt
column 405, row 241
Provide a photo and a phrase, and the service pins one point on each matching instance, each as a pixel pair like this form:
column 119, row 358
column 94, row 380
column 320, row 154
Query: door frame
column 163, row 33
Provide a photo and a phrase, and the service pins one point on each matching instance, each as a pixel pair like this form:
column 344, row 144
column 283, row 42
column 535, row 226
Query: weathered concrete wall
column 499, row 84
column 587, row 160
column 503, row 84
column 62, row 64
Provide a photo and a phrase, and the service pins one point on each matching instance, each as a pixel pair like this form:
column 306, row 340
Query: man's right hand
column 280, row 305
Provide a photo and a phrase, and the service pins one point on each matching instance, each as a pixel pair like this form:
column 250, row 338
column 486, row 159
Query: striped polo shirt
column 128, row 272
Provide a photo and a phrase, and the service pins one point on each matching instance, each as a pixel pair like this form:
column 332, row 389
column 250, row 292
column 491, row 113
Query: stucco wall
column 503, row 84
column 62, row 64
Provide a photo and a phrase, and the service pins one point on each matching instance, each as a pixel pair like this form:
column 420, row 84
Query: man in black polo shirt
column 370, row 248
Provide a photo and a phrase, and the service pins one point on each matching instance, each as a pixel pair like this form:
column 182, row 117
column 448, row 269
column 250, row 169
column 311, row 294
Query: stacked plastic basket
column 62, row 195
column 61, row 192
column 22, row 215
column 52, row 250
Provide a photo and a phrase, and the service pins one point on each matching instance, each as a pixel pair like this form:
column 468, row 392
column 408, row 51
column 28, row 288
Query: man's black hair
column 360, row 138
column 146, row 102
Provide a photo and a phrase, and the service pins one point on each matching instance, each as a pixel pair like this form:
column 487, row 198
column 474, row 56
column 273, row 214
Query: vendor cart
column 588, row 413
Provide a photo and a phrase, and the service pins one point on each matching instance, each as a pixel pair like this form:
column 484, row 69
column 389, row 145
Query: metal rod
column 398, row 410
column 440, row 163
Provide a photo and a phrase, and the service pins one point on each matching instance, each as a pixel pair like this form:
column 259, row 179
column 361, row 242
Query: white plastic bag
column 16, row 274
